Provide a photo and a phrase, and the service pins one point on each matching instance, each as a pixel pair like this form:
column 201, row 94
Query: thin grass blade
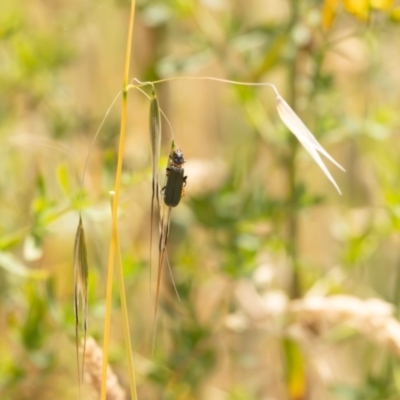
column 155, row 138
column 165, row 220
column 172, row 277
column 305, row 137
column 81, row 271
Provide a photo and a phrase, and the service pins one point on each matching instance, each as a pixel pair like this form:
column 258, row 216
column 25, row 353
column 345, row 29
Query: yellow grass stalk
column 114, row 225
column 125, row 318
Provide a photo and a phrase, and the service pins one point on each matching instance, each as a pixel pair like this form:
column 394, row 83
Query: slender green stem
column 291, row 170
column 199, row 78
column 94, row 140
column 114, row 227
column 292, row 199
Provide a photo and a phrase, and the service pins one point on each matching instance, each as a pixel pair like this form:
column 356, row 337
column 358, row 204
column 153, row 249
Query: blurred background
column 260, row 229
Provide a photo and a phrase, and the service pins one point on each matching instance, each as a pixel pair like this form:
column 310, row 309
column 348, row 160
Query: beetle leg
column 183, row 186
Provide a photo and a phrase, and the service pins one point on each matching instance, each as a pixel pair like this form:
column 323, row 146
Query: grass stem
column 125, row 319
column 114, row 226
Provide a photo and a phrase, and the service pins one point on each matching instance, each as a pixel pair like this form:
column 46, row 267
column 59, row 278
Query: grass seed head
column 305, row 137
column 81, row 272
column 155, row 128
column 93, row 361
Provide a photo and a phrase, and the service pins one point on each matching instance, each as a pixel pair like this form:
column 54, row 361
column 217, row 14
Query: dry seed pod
column 305, row 137
column 155, row 139
column 93, row 361
column 165, row 221
column 373, row 318
column 80, row 287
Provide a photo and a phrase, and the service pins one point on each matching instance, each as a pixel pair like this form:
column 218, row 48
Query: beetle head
column 176, row 158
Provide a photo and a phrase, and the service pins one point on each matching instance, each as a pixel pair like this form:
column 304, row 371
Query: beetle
column 176, row 181
column 172, row 193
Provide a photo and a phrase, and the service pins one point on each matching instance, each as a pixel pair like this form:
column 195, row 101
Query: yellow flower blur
column 359, row 8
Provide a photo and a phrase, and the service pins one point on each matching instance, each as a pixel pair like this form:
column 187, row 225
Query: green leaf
column 63, row 178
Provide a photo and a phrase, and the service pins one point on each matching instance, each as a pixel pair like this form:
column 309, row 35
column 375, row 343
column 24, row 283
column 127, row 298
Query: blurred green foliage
column 256, row 208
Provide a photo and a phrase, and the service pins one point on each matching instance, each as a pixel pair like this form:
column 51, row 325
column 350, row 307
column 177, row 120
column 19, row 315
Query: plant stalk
column 114, row 225
column 295, row 290
column 125, row 319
